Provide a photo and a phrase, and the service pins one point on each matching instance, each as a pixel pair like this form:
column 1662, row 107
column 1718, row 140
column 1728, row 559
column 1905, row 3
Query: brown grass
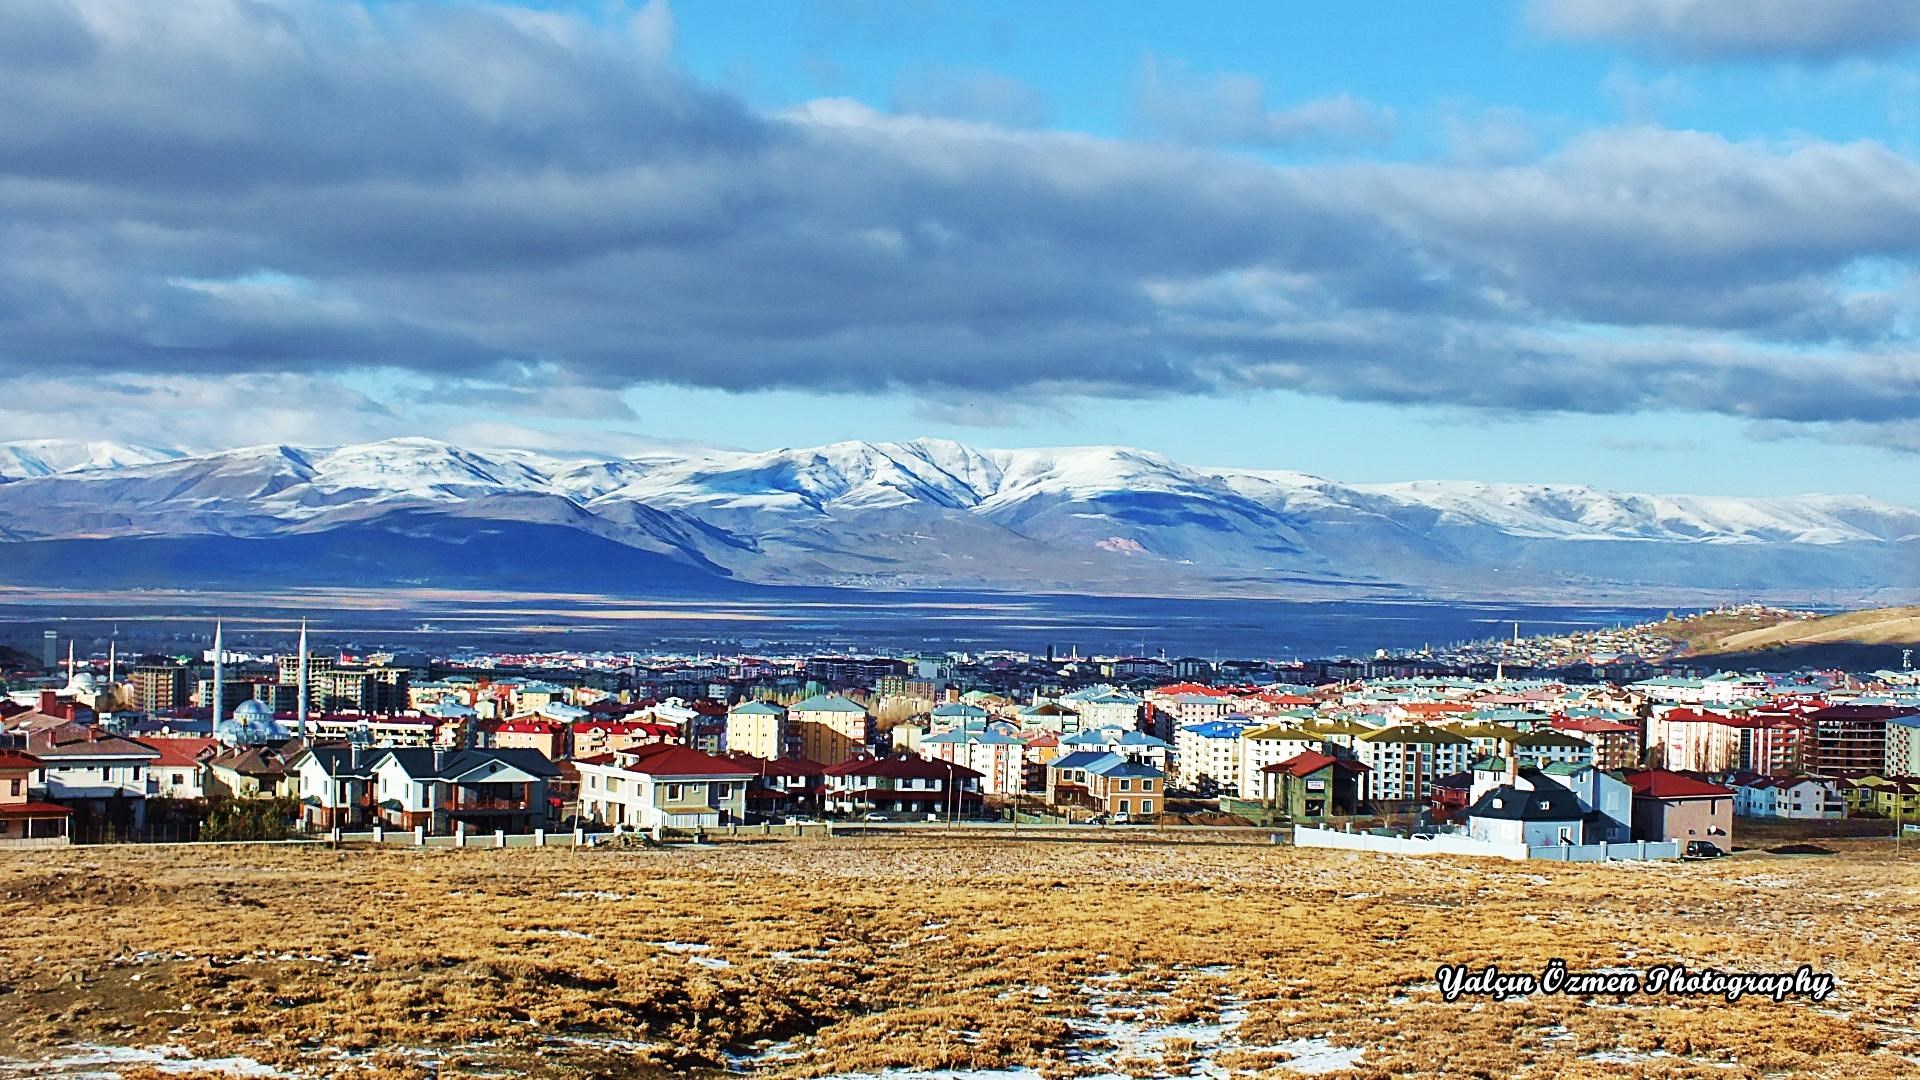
column 936, row 953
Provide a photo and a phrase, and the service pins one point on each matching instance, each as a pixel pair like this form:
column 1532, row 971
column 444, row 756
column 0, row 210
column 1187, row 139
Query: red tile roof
column 1308, row 762
column 14, row 759
column 1661, row 784
column 666, row 759
column 179, row 751
column 34, row 809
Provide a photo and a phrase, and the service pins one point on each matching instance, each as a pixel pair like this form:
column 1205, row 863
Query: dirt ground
column 933, row 954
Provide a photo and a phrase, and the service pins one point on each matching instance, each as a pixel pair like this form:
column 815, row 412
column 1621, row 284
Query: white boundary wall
column 1454, row 844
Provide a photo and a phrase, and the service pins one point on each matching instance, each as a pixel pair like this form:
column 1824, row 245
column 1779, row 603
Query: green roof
column 826, row 703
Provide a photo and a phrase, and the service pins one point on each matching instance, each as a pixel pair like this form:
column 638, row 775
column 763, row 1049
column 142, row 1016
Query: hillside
column 922, row 514
column 1857, row 640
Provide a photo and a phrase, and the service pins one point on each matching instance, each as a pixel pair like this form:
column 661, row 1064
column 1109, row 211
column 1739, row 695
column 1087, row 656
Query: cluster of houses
column 1672, row 759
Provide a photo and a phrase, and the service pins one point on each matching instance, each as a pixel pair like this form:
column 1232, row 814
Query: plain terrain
column 1132, row 956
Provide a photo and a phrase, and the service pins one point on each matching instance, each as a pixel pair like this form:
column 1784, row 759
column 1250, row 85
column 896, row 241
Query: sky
column 1655, row 245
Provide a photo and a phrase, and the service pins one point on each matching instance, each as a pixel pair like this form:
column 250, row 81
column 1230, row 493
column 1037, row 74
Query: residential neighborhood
column 541, row 746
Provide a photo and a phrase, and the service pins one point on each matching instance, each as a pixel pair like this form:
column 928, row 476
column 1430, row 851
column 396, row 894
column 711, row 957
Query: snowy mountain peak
column 46, row 457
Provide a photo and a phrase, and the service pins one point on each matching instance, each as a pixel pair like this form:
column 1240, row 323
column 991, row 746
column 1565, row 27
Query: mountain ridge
column 933, row 513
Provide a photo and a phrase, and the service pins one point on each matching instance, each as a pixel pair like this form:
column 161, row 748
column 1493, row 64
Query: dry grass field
column 931, row 955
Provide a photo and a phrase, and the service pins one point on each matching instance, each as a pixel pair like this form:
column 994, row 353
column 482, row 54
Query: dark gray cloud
column 1815, row 30
column 532, row 203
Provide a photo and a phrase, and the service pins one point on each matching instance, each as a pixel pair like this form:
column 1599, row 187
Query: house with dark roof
column 1538, row 816
column 910, row 787
column 334, row 784
column 485, row 790
column 1678, row 807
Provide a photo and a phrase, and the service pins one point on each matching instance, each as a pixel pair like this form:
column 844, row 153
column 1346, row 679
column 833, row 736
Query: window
column 1146, row 785
column 16, row 785
column 1146, row 806
column 1126, row 805
column 673, row 792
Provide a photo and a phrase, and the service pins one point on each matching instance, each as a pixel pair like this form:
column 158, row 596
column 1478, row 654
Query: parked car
column 1703, row 849
column 1097, row 819
column 875, row 815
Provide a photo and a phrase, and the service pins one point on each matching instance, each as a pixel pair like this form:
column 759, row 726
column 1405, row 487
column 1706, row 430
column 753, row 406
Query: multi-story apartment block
column 1404, row 761
column 758, row 729
column 832, row 729
column 999, row 759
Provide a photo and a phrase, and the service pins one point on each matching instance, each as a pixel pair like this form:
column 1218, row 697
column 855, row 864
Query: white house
column 663, row 785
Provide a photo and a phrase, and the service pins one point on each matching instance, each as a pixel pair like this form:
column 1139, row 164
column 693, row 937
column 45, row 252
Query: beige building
column 757, row 728
column 831, row 729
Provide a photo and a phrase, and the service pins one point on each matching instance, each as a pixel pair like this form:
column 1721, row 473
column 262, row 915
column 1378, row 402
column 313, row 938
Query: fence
column 1458, row 844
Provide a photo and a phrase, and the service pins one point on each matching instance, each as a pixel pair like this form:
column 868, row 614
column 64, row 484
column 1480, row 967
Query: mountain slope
column 928, row 513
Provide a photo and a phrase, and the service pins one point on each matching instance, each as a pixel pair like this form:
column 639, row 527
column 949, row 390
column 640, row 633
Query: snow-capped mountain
column 44, row 457
column 926, row 514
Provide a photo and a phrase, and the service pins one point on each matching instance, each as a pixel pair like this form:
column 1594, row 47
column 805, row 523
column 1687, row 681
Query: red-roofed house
column 25, row 822
column 547, row 737
column 646, row 787
column 1312, row 786
column 783, row 785
column 1674, row 806
column 591, row 738
column 179, row 773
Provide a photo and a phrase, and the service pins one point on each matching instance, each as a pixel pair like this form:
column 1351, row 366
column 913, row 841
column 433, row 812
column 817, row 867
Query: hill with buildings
column 921, row 514
column 1856, row 640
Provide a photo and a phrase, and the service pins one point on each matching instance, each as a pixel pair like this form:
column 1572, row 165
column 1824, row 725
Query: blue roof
column 1217, row 729
column 759, row 708
column 1079, row 759
column 1115, row 765
column 955, row 709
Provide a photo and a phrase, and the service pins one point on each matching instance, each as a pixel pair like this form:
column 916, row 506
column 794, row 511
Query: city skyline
column 1645, row 246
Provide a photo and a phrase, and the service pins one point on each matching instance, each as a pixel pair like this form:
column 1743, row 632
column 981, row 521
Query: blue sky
column 1642, row 244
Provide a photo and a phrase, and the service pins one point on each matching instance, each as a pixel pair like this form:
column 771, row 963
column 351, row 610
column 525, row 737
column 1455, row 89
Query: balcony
column 491, row 799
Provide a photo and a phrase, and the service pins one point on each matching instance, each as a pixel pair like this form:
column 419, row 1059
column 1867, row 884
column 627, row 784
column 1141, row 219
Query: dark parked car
column 1703, row 849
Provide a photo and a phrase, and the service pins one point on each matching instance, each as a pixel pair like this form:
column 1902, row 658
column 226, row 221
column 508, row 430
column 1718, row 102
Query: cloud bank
column 242, row 192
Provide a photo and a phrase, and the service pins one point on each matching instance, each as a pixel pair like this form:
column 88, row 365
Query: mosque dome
column 252, row 712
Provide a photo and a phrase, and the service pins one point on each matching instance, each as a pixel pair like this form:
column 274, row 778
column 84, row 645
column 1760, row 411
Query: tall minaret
column 219, row 676
column 300, row 708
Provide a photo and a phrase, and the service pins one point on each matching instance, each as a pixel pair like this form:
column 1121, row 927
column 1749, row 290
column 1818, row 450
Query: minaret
column 300, row 707
column 219, row 677
column 70, row 662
